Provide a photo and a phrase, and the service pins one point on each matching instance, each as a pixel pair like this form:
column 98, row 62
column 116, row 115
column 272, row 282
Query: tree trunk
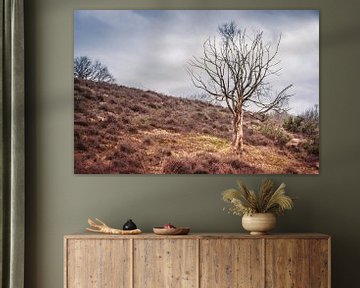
column 238, row 142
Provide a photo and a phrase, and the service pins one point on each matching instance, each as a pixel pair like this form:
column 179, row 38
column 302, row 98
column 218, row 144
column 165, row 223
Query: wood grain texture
column 98, row 264
column 231, row 263
column 165, row 263
column 287, row 263
column 319, row 263
column 197, row 260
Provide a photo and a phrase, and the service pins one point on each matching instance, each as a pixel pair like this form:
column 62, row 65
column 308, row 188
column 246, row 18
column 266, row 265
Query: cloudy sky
column 149, row 49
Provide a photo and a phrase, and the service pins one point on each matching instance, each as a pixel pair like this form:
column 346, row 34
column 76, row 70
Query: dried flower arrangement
column 246, row 202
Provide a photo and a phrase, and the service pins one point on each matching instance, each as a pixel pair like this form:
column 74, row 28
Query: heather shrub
column 188, row 126
column 80, row 145
column 235, row 163
column 132, row 130
column 81, row 122
column 207, row 164
column 84, row 91
column 300, row 124
column 274, row 132
column 153, row 105
column 125, row 120
column 293, row 123
column 164, row 151
column 126, row 148
column 125, row 160
column 110, row 137
column 307, row 122
column 94, row 142
column 90, row 142
column 105, row 107
column 205, row 131
column 290, row 170
column 177, row 166
column 145, row 95
column 312, row 146
column 99, row 97
column 83, row 169
column 172, row 128
column 215, row 126
column 170, row 121
column 147, row 141
column 143, row 127
column 200, row 116
column 154, row 124
column 257, row 139
column 224, row 128
column 91, row 131
column 104, row 124
column 111, row 118
column 139, row 108
column 310, row 128
column 113, row 101
column 127, row 165
column 112, row 128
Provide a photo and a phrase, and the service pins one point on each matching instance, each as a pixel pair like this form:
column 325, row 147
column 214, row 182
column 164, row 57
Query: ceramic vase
column 259, row 223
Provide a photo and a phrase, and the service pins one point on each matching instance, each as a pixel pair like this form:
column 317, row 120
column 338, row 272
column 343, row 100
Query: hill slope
column 125, row 130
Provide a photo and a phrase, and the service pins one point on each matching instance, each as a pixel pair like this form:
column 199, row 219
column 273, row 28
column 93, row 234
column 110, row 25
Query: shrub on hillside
column 293, row 123
column 257, row 139
column 274, row 132
column 132, row 130
column 207, row 164
column 307, row 122
column 84, row 91
column 153, row 105
column 147, row 141
column 125, row 160
column 164, row 151
column 80, row 145
column 126, row 148
column 177, row 166
column 127, row 164
column 139, row 109
column 312, row 146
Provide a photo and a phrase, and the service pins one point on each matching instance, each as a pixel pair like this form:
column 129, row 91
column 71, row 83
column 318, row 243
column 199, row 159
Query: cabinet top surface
column 87, row 235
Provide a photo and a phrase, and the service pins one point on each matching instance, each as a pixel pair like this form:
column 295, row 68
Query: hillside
column 124, row 130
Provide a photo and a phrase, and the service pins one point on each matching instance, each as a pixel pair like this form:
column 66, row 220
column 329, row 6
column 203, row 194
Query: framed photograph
column 196, row 92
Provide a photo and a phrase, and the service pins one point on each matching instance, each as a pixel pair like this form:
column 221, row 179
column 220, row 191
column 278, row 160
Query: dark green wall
column 58, row 202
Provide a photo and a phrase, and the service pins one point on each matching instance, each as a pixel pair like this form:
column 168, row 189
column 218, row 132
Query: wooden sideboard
column 197, row 260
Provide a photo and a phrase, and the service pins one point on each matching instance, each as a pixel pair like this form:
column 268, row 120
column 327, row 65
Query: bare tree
column 235, row 71
column 82, row 67
column 85, row 68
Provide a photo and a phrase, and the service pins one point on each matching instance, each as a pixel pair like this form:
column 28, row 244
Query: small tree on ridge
column 85, row 68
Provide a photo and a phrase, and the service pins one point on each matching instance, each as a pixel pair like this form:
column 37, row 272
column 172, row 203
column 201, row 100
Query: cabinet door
column 231, row 263
column 287, row 263
column 98, row 263
column 320, row 263
column 165, row 263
